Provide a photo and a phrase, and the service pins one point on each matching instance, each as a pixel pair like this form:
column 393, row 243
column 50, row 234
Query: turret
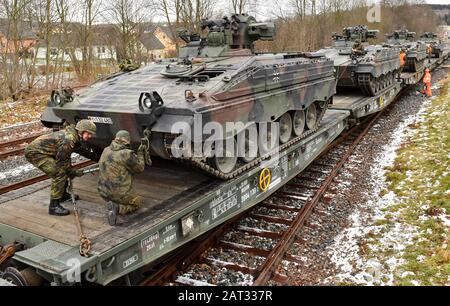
column 428, row 36
column 225, row 36
column 359, row 32
column 401, row 35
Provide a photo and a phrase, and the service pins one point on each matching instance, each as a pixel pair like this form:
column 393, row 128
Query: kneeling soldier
column 51, row 154
column 117, row 165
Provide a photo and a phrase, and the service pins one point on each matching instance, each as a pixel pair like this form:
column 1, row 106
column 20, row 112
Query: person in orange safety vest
column 402, row 62
column 427, row 83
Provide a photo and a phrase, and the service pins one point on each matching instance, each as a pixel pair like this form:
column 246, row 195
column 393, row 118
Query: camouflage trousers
column 58, row 175
column 128, row 203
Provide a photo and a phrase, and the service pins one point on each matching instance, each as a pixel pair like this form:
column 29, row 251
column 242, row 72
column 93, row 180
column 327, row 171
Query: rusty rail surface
column 16, row 142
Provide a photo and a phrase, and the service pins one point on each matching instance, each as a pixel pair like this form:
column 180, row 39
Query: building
column 163, row 41
column 63, row 49
column 154, row 48
column 22, row 42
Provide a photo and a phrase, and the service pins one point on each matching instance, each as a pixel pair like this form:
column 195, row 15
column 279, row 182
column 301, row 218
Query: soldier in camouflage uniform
column 127, row 66
column 51, row 154
column 358, row 48
column 118, row 164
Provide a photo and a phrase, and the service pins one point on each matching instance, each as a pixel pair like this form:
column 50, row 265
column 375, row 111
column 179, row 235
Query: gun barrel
column 92, row 170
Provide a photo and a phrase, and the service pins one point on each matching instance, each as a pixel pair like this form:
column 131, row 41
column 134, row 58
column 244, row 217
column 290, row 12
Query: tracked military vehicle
column 217, row 81
column 371, row 68
column 416, row 51
column 435, row 48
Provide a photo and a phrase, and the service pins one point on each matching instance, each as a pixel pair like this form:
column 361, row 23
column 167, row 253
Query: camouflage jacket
column 58, row 145
column 117, row 166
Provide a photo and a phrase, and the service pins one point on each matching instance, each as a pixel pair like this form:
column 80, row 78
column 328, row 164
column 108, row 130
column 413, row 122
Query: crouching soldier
column 117, row 165
column 51, row 154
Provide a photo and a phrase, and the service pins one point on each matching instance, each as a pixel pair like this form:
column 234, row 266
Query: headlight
column 61, row 97
column 56, row 98
column 148, row 102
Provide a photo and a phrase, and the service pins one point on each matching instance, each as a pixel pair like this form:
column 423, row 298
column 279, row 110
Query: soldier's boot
column 127, row 209
column 56, row 209
column 113, row 210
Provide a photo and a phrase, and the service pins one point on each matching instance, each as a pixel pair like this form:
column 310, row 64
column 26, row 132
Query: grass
column 22, row 111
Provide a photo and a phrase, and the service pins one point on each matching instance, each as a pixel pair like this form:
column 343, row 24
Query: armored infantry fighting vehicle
column 217, row 80
column 435, row 48
column 416, row 51
column 358, row 64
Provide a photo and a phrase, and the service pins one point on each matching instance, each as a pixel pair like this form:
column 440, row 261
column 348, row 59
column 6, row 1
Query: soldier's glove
column 79, row 173
column 72, row 173
column 142, row 148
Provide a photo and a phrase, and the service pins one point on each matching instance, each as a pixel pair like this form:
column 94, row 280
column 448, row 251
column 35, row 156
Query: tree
column 13, row 57
column 128, row 15
column 244, row 6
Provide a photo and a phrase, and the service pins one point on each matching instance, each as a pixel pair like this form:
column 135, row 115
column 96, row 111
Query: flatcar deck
column 360, row 106
column 160, row 187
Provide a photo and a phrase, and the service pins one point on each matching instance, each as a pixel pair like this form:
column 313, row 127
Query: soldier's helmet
column 123, row 136
column 358, row 41
column 86, row 126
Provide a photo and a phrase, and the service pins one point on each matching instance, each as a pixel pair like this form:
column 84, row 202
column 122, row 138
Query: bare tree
column 128, row 15
column 244, row 6
column 185, row 13
column 13, row 57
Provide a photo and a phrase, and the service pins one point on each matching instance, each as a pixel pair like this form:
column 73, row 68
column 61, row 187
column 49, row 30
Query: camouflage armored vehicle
column 416, row 51
column 435, row 48
column 371, row 68
column 216, row 80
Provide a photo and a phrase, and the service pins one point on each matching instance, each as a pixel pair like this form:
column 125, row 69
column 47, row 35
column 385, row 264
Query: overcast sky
column 438, row 1
column 266, row 8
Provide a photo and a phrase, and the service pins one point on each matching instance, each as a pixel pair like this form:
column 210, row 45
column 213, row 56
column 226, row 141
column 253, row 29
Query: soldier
column 402, row 62
column 118, row 164
column 427, row 83
column 127, row 66
column 51, row 154
column 358, row 48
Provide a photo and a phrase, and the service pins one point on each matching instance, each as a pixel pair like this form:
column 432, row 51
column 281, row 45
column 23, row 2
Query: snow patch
column 345, row 251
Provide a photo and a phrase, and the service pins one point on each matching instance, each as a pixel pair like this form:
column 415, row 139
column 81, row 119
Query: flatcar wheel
column 248, row 144
column 311, row 116
column 226, row 159
column 298, row 122
column 13, row 276
column 285, row 122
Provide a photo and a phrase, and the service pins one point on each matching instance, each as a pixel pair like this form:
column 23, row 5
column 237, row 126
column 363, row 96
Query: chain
column 85, row 243
column 146, row 143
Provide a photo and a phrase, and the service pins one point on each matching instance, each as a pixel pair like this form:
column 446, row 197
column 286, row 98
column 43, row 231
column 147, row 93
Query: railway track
column 16, row 146
column 249, row 249
column 36, row 179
